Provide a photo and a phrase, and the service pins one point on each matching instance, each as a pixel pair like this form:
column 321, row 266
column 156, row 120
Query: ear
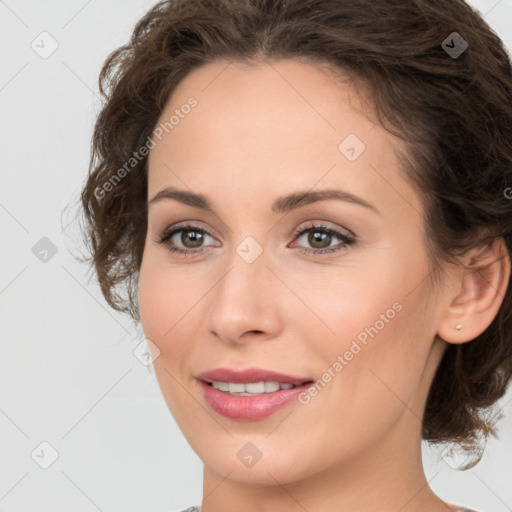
column 479, row 293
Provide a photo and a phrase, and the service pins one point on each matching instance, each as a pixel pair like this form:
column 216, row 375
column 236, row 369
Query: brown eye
column 184, row 239
column 194, row 237
column 320, row 238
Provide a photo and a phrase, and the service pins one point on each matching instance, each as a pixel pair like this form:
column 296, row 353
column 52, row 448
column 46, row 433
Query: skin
column 258, row 133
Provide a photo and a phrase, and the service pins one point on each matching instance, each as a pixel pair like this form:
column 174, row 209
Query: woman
column 309, row 204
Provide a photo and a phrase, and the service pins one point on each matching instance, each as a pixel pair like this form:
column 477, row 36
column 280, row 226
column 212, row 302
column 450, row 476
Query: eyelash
column 346, row 240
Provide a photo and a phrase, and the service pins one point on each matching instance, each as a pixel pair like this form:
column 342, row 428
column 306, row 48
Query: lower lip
column 250, row 407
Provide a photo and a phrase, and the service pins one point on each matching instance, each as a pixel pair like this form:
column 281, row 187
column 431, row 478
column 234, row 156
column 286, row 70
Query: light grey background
column 67, row 372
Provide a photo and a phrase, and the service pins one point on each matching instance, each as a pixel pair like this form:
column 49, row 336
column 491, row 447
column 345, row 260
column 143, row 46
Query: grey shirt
column 198, row 509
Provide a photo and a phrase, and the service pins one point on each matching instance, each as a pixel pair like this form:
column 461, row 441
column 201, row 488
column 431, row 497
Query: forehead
column 270, row 127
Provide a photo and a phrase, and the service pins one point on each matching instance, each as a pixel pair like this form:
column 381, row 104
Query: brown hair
column 453, row 112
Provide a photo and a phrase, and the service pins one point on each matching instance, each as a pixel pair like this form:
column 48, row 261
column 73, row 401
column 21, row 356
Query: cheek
column 378, row 327
column 162, row 302
column 350, row 303
column 172, row 301
column 162, row 292
column 163, row 305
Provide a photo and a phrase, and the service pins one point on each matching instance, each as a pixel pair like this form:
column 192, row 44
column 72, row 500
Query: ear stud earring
column 458, row 326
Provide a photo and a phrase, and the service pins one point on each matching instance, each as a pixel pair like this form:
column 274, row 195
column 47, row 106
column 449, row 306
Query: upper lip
column 249, row 375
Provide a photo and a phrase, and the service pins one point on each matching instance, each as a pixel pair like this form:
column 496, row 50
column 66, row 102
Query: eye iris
column 317, row 236
column 192, row 236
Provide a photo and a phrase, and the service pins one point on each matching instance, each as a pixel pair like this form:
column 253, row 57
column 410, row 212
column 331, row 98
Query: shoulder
column 196, row 509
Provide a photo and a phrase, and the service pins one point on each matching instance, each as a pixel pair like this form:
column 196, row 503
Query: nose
column 245, row 303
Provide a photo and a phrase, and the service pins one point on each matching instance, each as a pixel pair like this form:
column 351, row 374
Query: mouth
column 251, row 388
column 252, row 380
column 251, row 394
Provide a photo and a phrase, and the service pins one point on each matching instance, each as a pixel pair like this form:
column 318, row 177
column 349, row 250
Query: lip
column 250, row 375
column 250, row 408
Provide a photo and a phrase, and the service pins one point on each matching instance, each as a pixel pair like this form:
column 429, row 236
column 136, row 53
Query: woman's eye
column 190, row 239
column 321, row 237
column 184, row 239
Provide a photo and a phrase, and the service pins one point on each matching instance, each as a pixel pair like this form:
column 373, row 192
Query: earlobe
column 479, row 295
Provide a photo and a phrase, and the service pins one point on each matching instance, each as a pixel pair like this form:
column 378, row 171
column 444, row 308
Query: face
column 332, row 291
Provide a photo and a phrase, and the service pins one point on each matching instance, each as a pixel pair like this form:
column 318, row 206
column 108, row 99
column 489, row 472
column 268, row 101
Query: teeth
column 250, row 388
column 253, row 387
column 235, row 387
column 271, row 386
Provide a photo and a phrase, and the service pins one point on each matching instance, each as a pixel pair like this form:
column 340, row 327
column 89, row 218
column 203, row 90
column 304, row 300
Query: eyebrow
column 283, row 204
